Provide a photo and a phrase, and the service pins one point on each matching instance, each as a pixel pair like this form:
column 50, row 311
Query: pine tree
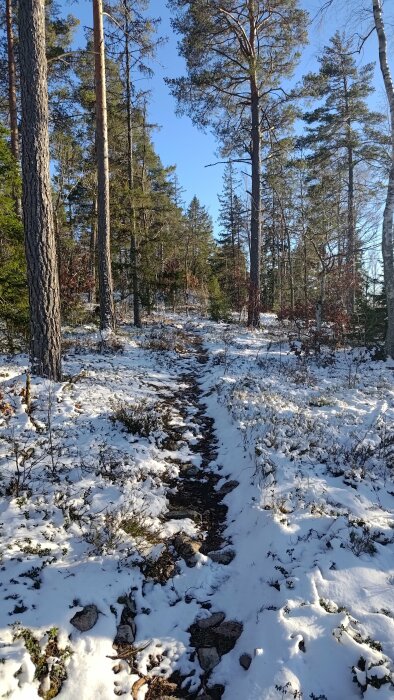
column 45, row 349
column 236, row 55
column 387, row 228
column 107, row 312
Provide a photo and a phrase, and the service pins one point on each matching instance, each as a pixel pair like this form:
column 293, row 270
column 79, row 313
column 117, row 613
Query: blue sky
column 177, row 141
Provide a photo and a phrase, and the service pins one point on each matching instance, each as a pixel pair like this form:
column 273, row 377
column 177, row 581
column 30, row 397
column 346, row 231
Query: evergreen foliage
column 302, row 226
column 13, row 288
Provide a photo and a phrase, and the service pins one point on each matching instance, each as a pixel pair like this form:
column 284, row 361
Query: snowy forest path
column 192, row 561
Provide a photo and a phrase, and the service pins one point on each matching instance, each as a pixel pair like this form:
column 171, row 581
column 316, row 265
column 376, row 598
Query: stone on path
column 245, row 660
column 226, row 635
column 208, row 658
column 125, row 635
column 228, row 487
column 85, row 619
column 212, row 621
column 222, row 556
column 187, row 548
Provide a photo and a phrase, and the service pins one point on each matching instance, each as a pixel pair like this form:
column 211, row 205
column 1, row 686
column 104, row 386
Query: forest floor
column 198, row 511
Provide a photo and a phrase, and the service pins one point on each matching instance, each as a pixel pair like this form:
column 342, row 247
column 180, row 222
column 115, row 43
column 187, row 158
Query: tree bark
column 387, row 228
column 92, row 296
column 351, row 224
column 12, row 101
column 133, row 246
column 43, row 283
column 255, row 222
column 107, row 312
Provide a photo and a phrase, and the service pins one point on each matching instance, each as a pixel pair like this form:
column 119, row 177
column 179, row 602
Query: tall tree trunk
column 351, row 224
column 133, row 246
column 255, row 222
column 107, row 312
column 12, row 102
column 92, row 296
column 45, row 348
column 351, row 236
column 291, row 270
column 387, row 228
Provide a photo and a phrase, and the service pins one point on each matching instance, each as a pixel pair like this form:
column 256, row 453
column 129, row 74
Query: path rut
column 193, row 494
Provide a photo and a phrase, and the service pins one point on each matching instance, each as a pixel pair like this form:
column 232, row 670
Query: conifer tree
column 343, row 130
column 45, row 348
column 231, row 263
column 107, row 312
column 197, row 249
column 236, row 55
column 387, row 228
column 13, row 294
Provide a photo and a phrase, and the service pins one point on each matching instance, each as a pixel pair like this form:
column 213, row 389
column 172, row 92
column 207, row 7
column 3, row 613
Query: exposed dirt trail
column 194, row 494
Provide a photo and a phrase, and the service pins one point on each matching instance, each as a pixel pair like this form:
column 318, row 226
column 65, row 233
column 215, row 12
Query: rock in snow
column 85, row 619
column 245, row 660
column 208, row 658
column 187, row 548
column 223, row 556
column 212, row 621
column 125, row 634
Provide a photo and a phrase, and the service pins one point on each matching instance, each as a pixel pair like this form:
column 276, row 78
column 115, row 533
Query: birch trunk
column 107, row 312
column 387, row 228
column 43, row 283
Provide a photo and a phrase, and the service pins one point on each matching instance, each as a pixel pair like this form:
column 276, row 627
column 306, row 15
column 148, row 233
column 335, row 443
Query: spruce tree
column 343, row 130
column 231, row 262
column 197, row 249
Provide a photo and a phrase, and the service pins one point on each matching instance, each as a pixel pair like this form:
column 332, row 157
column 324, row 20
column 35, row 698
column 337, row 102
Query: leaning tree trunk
column 387, row 228
column 12, row 102
column 45, row 348
column 107, row 312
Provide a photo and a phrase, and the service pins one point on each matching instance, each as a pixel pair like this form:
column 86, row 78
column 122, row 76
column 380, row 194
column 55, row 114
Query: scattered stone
column 222, row 636
column 187, row 548
column 226, row 635
column 182, row 515
column 160, row 569
column 228, row 487
column 245, row 660
column 85, row 619
column 212, row 621
column 222, row 556
column 127, row 617
column 128, row 602
column 125, row 635
column 192, row 472
column 208, row 658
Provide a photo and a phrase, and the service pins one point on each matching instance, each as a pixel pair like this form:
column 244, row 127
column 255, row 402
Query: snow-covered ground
column 301, row 451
